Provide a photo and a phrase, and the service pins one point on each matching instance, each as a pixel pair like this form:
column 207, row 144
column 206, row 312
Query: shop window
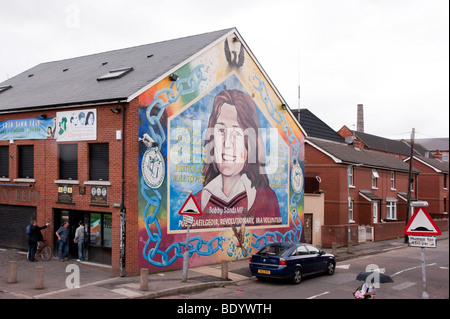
column 100, row 230
column 4, row 161
column 68, row 161
column 26, row 161
column 99, row 162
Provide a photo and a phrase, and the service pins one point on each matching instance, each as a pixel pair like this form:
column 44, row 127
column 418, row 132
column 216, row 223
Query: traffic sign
column 421, row 223
column 190, row 207
column 188, row 219
column 422, row 241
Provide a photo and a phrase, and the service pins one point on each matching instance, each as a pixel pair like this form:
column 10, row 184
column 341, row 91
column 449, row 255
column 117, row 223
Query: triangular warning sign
column 190, row 207
column 422, row 224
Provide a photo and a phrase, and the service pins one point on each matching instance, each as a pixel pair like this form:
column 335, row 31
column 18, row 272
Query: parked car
column 291, row 261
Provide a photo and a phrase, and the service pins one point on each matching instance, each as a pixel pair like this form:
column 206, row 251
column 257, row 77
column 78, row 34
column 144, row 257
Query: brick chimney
column 360, row 119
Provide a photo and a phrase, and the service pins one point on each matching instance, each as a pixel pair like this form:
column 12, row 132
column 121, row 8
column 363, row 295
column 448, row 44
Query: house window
column 375, row 176
column 392, row 180
column 445, row 181
column 391, row 209
column 4, row 161
column 26, row 161
column 350, row 212
column 99, row 162
column 115, row 74
column 350, row 175
column 68, row 161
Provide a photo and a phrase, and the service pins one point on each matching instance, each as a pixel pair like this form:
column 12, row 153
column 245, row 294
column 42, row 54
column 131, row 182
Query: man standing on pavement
column 33, row 238
column 63, row 241
column 79, row 238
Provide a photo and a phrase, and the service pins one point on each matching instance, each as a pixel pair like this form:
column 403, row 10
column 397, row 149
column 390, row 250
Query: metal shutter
column 26, row 161
column 68, row 161
column 4, row 161
column 13, row 222
column 99, row 161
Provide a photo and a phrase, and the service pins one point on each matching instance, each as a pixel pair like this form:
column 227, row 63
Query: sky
column 392, row 56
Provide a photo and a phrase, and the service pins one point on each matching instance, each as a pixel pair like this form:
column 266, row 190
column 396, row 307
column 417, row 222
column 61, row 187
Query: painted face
column 230, row 154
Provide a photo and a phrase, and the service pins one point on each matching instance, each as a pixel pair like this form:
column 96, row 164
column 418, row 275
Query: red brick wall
column 46, row 171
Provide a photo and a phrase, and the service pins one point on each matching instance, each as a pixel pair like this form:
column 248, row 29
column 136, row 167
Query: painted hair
column 248, row 121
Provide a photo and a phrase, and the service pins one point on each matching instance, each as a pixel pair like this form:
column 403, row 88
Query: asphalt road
column 403, row 265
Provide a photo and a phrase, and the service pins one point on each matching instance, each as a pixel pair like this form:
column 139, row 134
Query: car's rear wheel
column 297, row 276
column 330, row 268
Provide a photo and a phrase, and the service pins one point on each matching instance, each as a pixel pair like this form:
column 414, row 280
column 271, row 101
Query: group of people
column 63, row 234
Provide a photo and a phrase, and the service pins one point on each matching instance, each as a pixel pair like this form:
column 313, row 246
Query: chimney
column 360, row 119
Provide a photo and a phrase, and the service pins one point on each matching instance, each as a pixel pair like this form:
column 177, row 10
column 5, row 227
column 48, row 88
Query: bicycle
column 44, row 251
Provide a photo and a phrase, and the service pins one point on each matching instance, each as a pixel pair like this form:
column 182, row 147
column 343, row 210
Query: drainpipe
column 122, row 203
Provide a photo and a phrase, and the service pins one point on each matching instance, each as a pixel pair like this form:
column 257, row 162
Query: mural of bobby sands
column 236, row 188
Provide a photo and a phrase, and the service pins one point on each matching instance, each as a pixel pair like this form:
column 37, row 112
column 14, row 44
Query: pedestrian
column 79, row 239
column 34, row 237
column 63, row 241
column 368, row 290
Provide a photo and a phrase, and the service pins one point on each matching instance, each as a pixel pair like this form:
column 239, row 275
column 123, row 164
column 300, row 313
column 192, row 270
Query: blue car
column 291, row 261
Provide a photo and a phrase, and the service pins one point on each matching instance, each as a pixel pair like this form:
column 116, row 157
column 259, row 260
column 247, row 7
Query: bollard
column 12, row 274
column 144, row 279
column 334, row 248
column 224, row 270
column 350, row 247
column 39, row 278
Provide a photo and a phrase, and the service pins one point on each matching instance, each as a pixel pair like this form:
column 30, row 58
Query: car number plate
column 263, row 271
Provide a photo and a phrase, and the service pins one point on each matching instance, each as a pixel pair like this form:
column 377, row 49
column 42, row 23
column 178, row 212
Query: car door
column 317, row 262
column 302, row 257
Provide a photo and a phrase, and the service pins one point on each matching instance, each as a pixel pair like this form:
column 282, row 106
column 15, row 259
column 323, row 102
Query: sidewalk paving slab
column 97, row 283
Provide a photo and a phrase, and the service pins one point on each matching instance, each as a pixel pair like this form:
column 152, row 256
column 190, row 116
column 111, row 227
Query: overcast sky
column 392, row 56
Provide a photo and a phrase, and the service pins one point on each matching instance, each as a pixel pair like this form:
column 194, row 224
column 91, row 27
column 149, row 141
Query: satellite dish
column 349, row 139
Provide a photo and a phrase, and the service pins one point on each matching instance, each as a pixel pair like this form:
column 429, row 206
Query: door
column 375, row 212
column 307, row 230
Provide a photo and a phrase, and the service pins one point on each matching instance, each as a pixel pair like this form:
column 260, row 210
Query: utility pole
column 410, row 180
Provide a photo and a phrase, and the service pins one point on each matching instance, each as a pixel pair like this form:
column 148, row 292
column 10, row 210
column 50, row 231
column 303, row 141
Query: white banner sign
column 422, row 241
column 79, row 125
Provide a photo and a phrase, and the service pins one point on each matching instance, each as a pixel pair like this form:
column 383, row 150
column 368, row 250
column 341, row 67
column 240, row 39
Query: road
column 403, row 265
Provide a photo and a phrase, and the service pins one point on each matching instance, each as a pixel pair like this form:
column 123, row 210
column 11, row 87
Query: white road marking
column 315, row 296
column 404, row 285
column 343, row 266
column 401, row 271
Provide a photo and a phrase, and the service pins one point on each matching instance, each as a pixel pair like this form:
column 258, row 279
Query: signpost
column 188, row 211
column 422, row 231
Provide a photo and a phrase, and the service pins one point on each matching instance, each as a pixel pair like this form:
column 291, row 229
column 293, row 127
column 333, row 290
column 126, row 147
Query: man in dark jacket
column 33, row 238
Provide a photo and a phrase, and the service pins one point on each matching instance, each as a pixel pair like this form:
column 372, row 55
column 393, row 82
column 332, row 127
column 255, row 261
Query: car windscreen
column 274, row 250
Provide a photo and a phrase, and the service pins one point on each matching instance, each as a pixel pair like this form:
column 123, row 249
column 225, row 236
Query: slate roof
column 346, row 154
column 433, row 144
column 74, row 81
column 433, row 163
column 378, row 143
column 315, row 127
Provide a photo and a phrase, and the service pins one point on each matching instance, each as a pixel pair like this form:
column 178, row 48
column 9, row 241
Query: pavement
column 59, row 280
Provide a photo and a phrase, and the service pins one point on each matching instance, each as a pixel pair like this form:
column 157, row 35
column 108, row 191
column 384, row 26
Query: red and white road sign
column 421, row 224
column 190, row 207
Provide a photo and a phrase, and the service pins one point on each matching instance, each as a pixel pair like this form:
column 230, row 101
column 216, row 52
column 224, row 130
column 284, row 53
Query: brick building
column 120, row 140
column 432, row 184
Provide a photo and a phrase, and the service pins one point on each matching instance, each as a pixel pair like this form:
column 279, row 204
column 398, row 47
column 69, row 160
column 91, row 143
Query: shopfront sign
column 99, row 196
column 65, row 194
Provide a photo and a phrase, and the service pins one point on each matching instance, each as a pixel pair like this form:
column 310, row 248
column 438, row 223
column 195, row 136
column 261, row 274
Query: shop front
column 98, row 234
